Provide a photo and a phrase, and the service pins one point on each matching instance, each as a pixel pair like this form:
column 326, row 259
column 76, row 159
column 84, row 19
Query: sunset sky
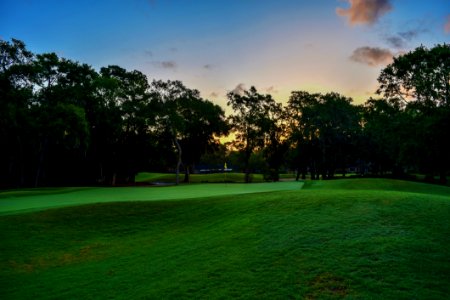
column 217, row 46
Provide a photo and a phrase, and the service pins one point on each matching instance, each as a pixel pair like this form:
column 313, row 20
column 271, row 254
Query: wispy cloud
column 169, row 64
column 401, row 39
column 395, row 41
column 148, row 53
column 372, row 56
column 239, row 89
column 207, row 67
column 271, row 89
column 447, row 25
column 214, row 95
column 364, row 11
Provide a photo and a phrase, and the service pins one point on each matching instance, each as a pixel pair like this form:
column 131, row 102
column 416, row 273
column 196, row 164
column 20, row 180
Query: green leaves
column 421, row 75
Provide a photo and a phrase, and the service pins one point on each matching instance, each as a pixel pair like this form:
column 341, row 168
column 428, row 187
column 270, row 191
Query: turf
column 198, row 178
column 32, row 200
column 353, row 239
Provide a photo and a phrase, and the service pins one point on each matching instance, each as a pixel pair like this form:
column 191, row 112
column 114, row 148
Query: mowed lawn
column 12, row 202
column 354, row 239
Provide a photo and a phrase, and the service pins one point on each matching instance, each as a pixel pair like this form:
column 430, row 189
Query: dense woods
column 64, row 123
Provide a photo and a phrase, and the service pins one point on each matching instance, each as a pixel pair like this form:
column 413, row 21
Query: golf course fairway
column 337, row 239
column 38, row 199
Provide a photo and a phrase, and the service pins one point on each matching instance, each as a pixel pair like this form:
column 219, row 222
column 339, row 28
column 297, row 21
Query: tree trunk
column 177, row 144
column 186, row 174
column 40, row 165
column 247, row 168
column 21, row 163
column 113, row 180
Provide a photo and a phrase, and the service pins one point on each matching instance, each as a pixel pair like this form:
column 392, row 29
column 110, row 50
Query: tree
column 323, row 129
column 124, row 132
column 421, row 75
column 204, row 123
column 276, row 144
column 252, row 121
column 16, row 125
column 191, row 122
column 385, row 124
column 421, row 78
column 302, row 133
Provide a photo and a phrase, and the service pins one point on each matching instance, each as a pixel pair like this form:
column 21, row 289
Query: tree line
column 64, row 123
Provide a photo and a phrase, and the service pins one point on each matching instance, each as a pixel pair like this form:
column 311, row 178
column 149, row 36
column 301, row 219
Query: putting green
column 12, row 202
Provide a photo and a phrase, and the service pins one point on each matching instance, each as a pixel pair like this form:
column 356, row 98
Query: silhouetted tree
column 251, row 122
column 16, row 124
column 323, row 129
column 192, row 122
column 421, row 78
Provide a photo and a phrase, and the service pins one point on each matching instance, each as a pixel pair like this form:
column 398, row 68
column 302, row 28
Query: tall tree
column 323, row 128
column 421, row 78
column 251, row 122
column 16, row 125
column 125, row 129
column 421, row 75
column 386, row 130
column 192, row 122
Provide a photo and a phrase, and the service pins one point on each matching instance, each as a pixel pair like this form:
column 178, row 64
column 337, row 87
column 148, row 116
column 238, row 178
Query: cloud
column 169, row 64
column 214, row 95
column 401, row 39
column 364, row 11
column 372, row 56
column 447, row 25
column 271, row 89
column 395, row 41
column 239, row 89
column 410, row 34
column 148, row 53
column 207, row 67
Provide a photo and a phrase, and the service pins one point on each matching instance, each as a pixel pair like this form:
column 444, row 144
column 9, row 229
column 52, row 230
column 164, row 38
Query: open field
column 39, row 199
column 197, row 178
column 354, row 239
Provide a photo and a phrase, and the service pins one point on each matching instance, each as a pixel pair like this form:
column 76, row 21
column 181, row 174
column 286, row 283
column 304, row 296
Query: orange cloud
column 364, row 11
column 447, row 25
column 372, row 56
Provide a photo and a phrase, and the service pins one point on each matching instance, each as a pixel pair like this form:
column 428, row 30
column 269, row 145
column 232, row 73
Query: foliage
column 253, row 122
column 105, row 126
column 421, row 75
column 324, row 130
column 421, row 79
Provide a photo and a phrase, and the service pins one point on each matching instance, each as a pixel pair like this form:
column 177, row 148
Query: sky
column 218, row 46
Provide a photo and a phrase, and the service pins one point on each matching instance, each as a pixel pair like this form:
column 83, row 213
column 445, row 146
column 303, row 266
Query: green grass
column 353, row 239
column 197, row 178
column 20, row 201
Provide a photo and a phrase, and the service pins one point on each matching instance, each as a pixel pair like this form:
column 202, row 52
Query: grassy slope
column 32, row 200
column 377, row 239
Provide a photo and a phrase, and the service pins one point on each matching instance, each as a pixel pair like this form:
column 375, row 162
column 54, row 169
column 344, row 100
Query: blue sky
column 216, row 45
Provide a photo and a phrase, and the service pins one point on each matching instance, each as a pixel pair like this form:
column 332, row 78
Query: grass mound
column 385, row 240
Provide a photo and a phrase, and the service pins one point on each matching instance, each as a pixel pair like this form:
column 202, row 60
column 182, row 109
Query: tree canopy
column 64, row 123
